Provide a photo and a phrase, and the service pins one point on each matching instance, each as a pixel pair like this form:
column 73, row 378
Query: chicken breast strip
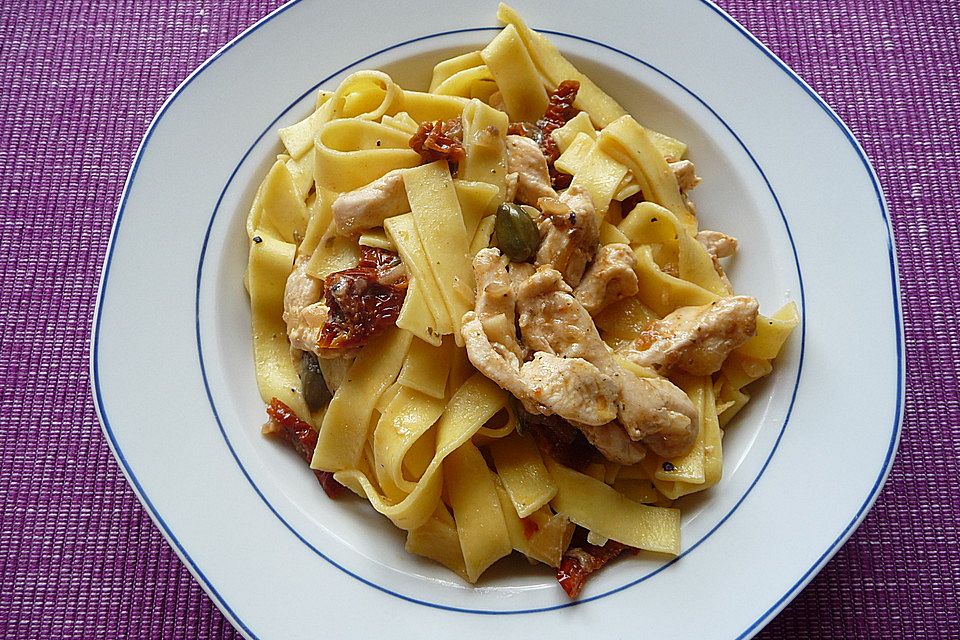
column 526, row 161
column 653, row 411
column 686, row 174
column 609, row 278
column 569, row 232
column 367, row 207
column 696, row 340
column 717, row 244
column 303, row 308
column 569, row 387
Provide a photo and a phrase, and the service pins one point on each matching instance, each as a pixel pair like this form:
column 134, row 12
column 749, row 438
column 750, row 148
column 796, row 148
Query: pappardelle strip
column 488, row 310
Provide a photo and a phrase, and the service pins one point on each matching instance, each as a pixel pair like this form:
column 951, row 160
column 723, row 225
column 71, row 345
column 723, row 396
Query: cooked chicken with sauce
column 696, row 340
column 569, row 232
column 572, row 388
column 304, row 310
column 717, row 244
column 686, row 174
column 526, row 162
column 367, row 207
column 568, row 370
column 609, row 278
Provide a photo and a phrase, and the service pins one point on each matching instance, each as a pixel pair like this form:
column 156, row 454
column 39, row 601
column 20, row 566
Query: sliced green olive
column 517, row 233
column 315, row 392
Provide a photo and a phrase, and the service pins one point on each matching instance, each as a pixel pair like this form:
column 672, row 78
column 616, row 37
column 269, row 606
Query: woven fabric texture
column 80, row 558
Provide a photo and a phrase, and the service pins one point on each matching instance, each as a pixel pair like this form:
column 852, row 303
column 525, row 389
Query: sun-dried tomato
column 362, row 301
column 380, row 260
column 559, row 111
column 525, row 129
column 561, row 441
column 300, row 435
column 560, row 107
column 578, row 563
column 440, row 140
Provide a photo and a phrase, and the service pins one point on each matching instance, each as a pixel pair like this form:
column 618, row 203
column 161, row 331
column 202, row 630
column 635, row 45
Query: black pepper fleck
column 668, row 466
column 257, row 239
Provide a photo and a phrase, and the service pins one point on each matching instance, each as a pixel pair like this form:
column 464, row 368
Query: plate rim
column 763, row 618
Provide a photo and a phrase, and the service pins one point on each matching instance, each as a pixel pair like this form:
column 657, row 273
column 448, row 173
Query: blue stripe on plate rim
column 764, row 616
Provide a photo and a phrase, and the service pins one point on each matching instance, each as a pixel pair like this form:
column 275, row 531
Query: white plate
column 172, row 365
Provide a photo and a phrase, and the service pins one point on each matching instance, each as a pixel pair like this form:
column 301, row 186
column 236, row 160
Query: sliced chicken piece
column 533, row 177
column 650, row 410
column 303, row 308
column 718, row 245
column 571, row 388
column 568, row 387
column 609, row 278
column 367, row 207
column 569, row 232
column 572, row 373
column 492, row 357
column 613, row 442
column 696, row 340
column 552, row 320
column 658, row 413
column 685, row 173
column 496, row 300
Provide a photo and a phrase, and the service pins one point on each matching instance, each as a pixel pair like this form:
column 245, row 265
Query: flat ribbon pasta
column 351, row 153
column 413, row 427
column 475, row 402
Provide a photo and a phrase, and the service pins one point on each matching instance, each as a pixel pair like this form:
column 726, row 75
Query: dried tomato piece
column 440, row 140
column 560, row 107
column 380, row 260
column 525, row 129
column 578, row 563
column 559, row 111
column 362, row 301
column 561, row 440
column 285, row 424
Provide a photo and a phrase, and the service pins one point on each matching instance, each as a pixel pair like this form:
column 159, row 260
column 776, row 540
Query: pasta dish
column 488, row 309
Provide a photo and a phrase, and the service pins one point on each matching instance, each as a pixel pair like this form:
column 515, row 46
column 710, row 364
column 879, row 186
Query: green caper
column 517, row 233
column 315, row 391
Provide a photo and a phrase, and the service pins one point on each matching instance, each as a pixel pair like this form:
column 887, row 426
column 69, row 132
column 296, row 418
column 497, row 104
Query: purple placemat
column 81, row 80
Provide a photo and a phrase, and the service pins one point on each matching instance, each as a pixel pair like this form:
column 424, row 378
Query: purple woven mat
column 81, row 80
